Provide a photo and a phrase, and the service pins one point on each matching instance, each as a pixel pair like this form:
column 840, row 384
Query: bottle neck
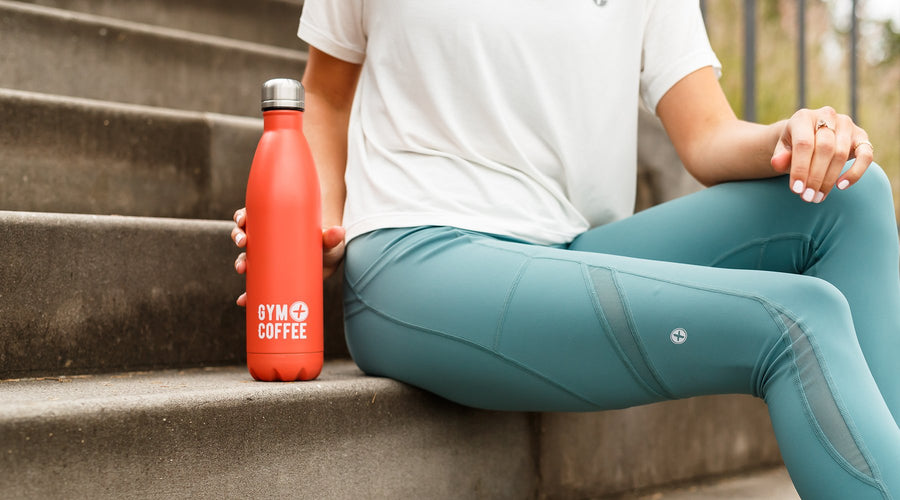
column 276, row 119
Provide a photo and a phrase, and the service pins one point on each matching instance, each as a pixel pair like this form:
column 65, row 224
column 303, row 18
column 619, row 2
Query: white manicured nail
column 819, row 197
column 797, row 187
column 843, row 184
column 239, row 239
column 809, row 194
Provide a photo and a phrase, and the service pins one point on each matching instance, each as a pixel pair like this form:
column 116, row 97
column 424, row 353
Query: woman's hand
column 814, row 146
column 332, row 248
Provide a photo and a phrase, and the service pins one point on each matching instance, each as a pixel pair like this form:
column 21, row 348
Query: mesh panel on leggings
column 821, row 400
column 614, row 311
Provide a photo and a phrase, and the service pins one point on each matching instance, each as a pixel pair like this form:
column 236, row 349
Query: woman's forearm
column 812, row 145
column 330, row 85
column 326, row 131
column 712, row 143
column 734, row 150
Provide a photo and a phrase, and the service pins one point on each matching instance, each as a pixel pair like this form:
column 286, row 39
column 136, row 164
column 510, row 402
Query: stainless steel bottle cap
column 282, row 93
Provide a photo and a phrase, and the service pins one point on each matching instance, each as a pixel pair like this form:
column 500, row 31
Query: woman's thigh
column 761, row 225
column 537, row 328
column 849, row 240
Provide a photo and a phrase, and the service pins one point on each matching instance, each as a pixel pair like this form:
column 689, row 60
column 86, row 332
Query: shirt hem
column 541, row 236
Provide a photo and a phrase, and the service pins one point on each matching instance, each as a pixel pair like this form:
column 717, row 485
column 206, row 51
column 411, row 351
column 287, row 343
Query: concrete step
column 60, row 52
column 271, row 22
column 75, row 155
column 63, row 154
column 213, row 433
column 768, row 484
column 217, row 434
column 594, row 455
column 87, row 294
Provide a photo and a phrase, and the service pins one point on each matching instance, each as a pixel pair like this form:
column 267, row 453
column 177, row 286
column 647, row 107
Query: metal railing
column 750, row 57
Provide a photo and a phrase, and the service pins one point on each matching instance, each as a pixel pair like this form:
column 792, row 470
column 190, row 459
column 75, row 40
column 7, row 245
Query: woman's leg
column 849, row 240
column 506, row 325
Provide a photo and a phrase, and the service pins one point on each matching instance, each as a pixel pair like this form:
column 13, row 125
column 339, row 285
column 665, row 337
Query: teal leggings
column 740, row 288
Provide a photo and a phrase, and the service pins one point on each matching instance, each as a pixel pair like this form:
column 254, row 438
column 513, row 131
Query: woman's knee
column 865, row 212
column 872, row 192
column 817, row 309
column 815, row 325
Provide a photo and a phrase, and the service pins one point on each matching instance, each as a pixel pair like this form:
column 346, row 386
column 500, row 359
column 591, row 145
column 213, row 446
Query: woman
column 488, row 150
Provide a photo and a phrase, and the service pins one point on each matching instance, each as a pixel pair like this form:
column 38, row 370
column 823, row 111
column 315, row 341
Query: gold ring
column 821, row 122
column 860, row 143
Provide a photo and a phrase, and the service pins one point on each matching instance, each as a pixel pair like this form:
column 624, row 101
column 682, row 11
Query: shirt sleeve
column 675, row 45
column 335, row 27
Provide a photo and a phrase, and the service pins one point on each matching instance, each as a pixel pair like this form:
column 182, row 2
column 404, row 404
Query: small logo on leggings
column 678, row 336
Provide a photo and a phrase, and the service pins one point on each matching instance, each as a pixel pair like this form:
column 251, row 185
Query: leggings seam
column 762, row 252
column 384, row 257
column 501, row 322
column 702, row 288
column 607, row 331
column 764, row 242
column 731, row 292
column 873, row 481
column 496, row 354
column 637, row 340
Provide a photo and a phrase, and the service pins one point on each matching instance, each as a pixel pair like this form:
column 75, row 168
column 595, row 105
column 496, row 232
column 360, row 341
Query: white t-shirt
column 513, row 117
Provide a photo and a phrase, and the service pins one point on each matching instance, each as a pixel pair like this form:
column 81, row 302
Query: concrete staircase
column 126, row 134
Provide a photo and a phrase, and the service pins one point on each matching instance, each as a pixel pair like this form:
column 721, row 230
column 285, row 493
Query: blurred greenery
column 827, row 67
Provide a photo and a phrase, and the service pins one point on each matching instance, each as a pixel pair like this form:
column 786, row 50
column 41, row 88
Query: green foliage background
column 828, row 81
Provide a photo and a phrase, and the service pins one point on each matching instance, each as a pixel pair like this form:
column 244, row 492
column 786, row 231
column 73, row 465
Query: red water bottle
column 284, row 244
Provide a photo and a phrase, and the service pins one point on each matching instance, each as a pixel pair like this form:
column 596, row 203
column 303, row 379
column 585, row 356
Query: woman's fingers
column 238, row 234
column 825, row 134
column 332, row 249
column 819, row 143
column 802, row 135
column 823, row 153
column 844, row 131
column 332, row 237
column 781, row 159
column 831, row 153
column 239, row 237
column 240, row 217
column 863, row 152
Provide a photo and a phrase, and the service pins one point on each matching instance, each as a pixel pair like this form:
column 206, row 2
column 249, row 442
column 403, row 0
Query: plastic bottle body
column 285, row 325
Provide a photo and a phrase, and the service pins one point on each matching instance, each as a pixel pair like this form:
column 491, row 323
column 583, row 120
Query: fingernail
column 819, row 197
column 798, row 186
column 809, row 194
column 843, row 184
column 239, row 239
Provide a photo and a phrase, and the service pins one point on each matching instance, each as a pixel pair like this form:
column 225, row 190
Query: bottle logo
column 282, row 321
column 299, row 311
